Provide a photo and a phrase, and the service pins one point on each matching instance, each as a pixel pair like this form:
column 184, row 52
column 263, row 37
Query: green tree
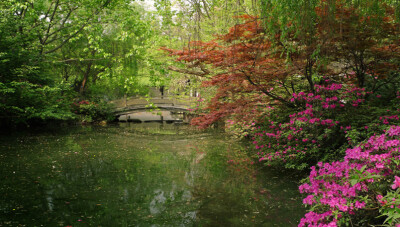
column 32, row 34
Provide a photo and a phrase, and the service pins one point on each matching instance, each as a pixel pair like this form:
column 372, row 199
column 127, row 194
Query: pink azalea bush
column 366, row 182
column 325, row 124
column 344, row 133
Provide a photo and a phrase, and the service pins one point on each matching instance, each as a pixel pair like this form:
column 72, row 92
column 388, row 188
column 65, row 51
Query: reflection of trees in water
column 113, row 177
column 224, row 196
column 229, row 192
column 157, row 204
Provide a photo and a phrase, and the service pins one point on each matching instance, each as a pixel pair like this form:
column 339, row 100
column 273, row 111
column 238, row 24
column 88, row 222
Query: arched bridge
column 152, row 110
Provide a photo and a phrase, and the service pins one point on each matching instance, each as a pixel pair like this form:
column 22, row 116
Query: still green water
column 146, row 174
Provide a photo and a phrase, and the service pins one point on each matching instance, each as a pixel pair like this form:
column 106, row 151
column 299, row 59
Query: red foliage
column 251, row 68
column 246, row 66
column 365, row 44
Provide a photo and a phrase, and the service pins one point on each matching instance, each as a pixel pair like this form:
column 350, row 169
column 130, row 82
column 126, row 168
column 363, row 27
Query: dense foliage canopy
column 275, row 56
column 56, row 52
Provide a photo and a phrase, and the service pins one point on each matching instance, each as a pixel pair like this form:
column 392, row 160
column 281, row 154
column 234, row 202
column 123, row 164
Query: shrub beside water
column 89, row 111
column 325, row 124
column 349, row 138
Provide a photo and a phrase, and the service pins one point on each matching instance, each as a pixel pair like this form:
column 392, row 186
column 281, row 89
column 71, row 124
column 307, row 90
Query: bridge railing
column 126, row 104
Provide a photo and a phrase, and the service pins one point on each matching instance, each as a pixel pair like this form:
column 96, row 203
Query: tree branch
column 287, row 103
column 76, row 59
column 202, row 73
column 106, row 3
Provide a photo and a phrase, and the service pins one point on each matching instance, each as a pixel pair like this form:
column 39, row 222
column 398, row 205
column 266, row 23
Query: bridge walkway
column 130, row 109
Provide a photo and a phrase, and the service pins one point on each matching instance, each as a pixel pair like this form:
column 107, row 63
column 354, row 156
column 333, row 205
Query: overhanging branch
column 203, row 73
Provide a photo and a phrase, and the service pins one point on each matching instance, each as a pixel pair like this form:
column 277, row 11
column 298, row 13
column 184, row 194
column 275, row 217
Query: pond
column 147, row 174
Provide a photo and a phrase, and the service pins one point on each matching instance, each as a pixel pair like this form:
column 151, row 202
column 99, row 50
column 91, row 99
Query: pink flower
column 380, row 165
column 396, row 182
column 359, row 205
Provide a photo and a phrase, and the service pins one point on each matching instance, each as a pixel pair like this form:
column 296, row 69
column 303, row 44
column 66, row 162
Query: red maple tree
column 246, row 68
column 251, row 67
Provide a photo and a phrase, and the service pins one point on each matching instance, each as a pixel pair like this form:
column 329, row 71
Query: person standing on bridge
column 162, row 91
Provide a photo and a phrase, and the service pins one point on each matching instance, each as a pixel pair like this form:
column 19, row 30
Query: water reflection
column 138, row 175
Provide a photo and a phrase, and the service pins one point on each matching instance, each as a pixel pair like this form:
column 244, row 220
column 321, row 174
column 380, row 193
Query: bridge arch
column 154, row 110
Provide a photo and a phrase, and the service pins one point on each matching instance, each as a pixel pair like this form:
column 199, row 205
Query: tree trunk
column 85, row 78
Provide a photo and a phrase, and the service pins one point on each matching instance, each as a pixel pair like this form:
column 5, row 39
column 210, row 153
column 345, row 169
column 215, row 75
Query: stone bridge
column 168, row 110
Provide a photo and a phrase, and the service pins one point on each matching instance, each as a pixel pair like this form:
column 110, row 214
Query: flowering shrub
column 366, row 181
column 326, row 124
column 91, row 111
